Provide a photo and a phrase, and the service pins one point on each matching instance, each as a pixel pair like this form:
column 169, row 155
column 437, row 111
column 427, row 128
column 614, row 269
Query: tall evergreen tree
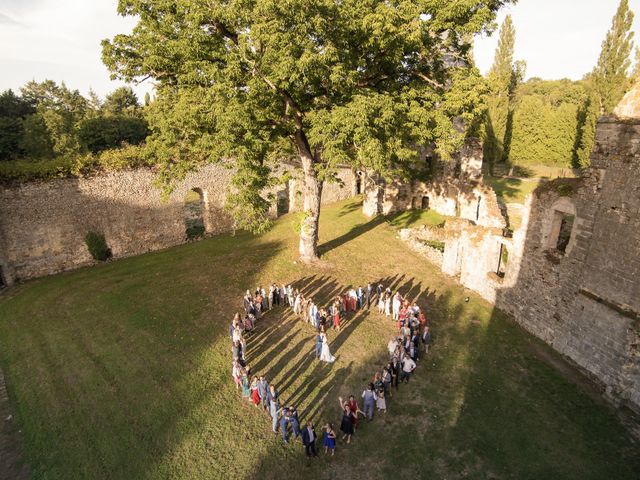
column 609, row 80
column 610, row 77
column 503, row 77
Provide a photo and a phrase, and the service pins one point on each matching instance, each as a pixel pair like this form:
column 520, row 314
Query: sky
column 60, row 39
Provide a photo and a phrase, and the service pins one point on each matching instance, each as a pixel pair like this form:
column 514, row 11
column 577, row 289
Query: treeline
column 546, row 122
column 553, row 123
column 49, row 128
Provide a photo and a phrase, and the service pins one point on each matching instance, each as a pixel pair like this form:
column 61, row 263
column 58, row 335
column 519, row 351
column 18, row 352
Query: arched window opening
column 425, row 203
column 564, row 232
column 193, row 213
column 414, row 203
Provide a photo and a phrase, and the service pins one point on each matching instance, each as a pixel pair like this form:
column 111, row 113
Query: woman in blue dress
column 329, row 439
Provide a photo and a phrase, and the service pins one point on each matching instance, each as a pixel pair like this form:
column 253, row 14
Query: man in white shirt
column 408, row 366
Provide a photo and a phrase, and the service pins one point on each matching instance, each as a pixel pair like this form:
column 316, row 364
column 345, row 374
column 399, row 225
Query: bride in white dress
column 325, row 354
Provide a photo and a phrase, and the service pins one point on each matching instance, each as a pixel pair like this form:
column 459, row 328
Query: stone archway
column 194, row 213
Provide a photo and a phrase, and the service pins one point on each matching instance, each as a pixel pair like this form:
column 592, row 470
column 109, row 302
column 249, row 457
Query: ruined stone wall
column 447, row 196
column 43, row 224
column 585, row 301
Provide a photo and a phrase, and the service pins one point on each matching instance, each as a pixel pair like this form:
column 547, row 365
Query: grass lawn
column 122, row 371
column 512, row 190
column 416, row 218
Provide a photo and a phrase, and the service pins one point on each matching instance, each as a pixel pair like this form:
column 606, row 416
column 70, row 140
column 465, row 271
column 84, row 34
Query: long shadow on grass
column 355, row 232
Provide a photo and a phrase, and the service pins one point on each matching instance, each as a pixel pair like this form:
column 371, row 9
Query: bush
column 26, row 170
column 435, row 244
column 97, row 246
column 195, row 231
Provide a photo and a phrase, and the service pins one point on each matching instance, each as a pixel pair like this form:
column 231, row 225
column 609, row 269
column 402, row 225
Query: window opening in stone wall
column 193, row 213
column 425, row 203
column 503, row 261
column 564, row 234
column 478, row 209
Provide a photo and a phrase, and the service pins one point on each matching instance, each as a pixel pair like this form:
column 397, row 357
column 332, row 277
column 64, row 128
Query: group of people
column 413, row 337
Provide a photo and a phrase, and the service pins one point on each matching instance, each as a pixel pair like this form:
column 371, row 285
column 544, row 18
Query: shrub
column 97, row 246
column 194, row 231
column 435, row 244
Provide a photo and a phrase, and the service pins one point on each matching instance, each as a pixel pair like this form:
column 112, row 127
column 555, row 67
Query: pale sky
column 60, row 39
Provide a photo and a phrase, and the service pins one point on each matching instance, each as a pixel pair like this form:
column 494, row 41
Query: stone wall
column 43, row 224
column 451, row 197
column 584, row 301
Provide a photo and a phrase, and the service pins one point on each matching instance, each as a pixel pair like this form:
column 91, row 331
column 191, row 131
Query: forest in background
column 48, row 130
column 553, row 122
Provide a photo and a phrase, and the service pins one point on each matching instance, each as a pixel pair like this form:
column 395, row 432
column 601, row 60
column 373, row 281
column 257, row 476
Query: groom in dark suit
column 309, row 440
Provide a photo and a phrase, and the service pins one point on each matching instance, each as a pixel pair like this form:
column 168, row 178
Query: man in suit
column 309, row 440
column 284, row 421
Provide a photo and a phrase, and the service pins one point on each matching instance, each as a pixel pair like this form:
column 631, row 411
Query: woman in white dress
column 387, row 305
column 325, row 354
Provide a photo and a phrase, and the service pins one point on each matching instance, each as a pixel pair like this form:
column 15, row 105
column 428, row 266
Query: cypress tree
column 610, row 76
column 503, row 79
column 609, row 80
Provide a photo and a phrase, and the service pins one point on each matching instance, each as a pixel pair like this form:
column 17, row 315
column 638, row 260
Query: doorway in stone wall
column 358, row 183
column 193, row 213
column 3, row 283
column 425, row 203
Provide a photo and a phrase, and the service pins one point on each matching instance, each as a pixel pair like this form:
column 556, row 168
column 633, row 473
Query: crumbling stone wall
column 452, row 197
column 43, row 224
column 585, row 301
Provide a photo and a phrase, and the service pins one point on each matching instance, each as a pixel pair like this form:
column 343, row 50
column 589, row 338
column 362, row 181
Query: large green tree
column 330, row 81
column 609, row 80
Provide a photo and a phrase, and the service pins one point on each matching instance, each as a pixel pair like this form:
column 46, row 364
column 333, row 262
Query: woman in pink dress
column 255, row 394
column 336, row 315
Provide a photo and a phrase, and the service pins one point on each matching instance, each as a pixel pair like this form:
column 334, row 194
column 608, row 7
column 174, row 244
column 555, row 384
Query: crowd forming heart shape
column 413, row 337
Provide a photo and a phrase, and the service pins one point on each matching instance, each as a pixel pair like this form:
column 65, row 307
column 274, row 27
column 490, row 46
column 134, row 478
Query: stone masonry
column 43, row 224
column 581, row 296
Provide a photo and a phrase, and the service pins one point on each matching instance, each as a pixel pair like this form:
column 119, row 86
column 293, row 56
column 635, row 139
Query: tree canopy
column 352, row 81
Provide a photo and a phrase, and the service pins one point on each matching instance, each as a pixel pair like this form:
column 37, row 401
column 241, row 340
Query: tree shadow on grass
column 355, row 232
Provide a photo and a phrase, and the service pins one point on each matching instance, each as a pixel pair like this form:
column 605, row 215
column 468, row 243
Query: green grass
column 512, row 190
column 122, row 371
column 416, row 218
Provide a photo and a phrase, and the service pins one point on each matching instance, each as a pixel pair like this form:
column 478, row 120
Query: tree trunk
column 312, row 194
